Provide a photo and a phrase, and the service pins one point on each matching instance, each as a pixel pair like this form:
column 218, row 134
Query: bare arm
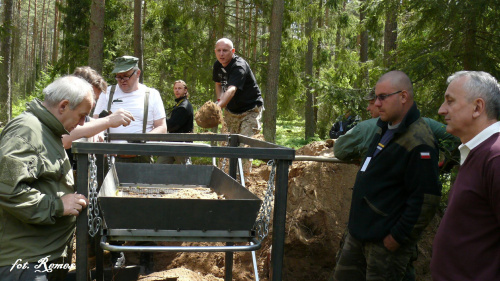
column 218, row 90
column 159, row 127
column 227, row 96
column 95, row 126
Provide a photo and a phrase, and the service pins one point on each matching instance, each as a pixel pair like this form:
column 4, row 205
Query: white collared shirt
column 477, row 140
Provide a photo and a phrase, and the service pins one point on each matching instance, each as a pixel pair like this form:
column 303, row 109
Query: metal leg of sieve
column 242, row 174
column 254, row 261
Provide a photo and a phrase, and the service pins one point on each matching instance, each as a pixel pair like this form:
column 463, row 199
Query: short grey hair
column 71, row 88
column 480, row 84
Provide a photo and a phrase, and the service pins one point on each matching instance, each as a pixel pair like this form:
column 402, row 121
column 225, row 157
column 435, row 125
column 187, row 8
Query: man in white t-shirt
column 129, row 94
column 133, row 96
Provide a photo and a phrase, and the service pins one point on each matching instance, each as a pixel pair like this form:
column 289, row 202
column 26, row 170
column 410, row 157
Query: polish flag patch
column 425, row 155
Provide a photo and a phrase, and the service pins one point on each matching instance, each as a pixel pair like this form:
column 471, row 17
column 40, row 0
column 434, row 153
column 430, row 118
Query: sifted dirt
column 209, row 115
column 318, row 204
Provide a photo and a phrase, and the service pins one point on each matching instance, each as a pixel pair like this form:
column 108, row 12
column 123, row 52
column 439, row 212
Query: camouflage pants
column 246, row 124
column 371, row 261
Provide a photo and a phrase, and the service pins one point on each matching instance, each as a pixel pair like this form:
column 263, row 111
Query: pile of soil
column 209, row 115
column 319, row 196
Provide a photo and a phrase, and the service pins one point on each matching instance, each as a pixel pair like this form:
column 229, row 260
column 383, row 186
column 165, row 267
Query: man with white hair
column 467, row 243
column 38, row 204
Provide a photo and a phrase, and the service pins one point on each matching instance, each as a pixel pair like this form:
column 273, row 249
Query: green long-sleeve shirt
column 354, row 144
column 34, row 174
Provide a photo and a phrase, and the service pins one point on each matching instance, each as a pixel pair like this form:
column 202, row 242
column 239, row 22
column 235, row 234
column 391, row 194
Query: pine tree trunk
column 363, row 47
column 273, row 72
column 391, row 34
column 310, row 129
column 5, row 85
column 138, row 35
column 96, row 39
column 55, row 40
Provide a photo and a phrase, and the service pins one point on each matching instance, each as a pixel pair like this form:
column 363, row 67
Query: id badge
column 367, row 161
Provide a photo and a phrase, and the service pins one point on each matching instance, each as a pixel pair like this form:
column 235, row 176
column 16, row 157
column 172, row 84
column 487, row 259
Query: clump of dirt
column 209, row 115
column 319, row 196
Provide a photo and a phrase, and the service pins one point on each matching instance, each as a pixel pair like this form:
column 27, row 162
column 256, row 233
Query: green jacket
column 354, row 144
column 34, row 174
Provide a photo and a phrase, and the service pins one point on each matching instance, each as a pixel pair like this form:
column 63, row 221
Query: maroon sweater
column 467, row 243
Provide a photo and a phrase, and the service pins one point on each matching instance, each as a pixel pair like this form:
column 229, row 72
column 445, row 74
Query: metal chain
column 264, row 217
column 95, row 221
column 223, row 167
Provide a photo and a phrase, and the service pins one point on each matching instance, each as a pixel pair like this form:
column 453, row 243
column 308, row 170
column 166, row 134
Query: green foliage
column 19, row 105
column 290, row 133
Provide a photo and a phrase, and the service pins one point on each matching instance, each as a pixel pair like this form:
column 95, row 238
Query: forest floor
column 319, row 196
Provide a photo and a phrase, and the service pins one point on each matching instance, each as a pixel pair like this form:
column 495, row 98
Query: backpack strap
column 110, row 100
column 146, row 105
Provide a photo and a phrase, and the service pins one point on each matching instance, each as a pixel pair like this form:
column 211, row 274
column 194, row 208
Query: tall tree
column 5, row 83
column 221, row 19
column 310, row 129
column 273, row 70
column 55, row 38
column 390, row 33
column 96, row 41
column 138, row 51
column 363, row 46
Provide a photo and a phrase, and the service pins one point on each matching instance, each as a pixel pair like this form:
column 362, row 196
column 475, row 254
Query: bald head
column 225, row 41
column 398, row 79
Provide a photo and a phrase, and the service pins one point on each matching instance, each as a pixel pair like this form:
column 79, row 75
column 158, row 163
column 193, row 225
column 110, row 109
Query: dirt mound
column 209, row 115
column 319, row 196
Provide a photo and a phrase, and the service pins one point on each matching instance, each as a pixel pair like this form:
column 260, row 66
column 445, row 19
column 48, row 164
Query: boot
column 146, row 261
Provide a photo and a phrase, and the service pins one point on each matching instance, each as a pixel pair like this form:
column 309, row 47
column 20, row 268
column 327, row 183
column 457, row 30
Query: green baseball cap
column 125, row 63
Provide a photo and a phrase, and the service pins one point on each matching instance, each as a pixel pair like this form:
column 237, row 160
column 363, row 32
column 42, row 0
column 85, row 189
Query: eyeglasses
column 383, row 97
column 125, row 78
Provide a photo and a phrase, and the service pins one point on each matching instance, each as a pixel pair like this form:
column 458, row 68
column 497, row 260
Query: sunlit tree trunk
column 318, row 58
column 33, row 59
column 391, row 34
column 470, row 58
column 5, row 85
column 273, row 71
column 221, row 19
column 310, row 129
column 363, row 46
column 55, row 40
column 96, row 41
column 138, row 51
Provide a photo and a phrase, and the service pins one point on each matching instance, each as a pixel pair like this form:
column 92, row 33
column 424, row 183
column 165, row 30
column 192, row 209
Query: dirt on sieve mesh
column 209, row 115
column 319, row 196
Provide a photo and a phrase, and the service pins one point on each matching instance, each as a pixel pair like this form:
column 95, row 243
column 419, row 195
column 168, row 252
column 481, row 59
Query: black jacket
column 181, row 117
column 399, row 191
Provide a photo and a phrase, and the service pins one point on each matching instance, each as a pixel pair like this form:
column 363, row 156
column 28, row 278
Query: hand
column 119, row 118
column 73, row 204
column 390, row 243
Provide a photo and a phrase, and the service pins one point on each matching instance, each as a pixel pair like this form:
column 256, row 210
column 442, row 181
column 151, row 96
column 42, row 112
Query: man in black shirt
column 236, row 90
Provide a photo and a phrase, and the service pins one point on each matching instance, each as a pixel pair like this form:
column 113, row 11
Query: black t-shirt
column 238, row 73
column 181, row 117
